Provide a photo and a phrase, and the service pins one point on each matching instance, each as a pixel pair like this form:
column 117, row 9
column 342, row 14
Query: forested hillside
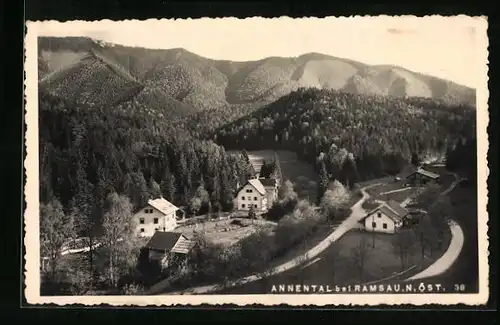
column 129, row 119
column 350, row 136
column 87, row 153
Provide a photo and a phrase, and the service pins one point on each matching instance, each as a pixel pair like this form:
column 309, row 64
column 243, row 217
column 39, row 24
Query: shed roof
column 164, row 240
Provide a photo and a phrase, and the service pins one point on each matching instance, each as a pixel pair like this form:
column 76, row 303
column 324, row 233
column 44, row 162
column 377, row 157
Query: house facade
column 252, row 194
column 421, row 177
column 386, row 218
column 158, row 215
column 168, row 248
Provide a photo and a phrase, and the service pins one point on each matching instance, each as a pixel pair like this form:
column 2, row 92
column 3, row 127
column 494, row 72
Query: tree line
column 85, row 154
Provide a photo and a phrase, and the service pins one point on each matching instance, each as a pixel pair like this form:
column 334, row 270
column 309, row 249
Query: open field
column 393, row 190
column 225, row 232
column 312, row 240
column 345, row 263
column 300, row 173
column 398, row 196
column 383, row 180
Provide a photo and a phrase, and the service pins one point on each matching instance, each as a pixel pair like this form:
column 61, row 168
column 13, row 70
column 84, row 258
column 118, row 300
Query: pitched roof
column 183, row 245
column 257, row 164
column 421, row 171
column 258, row 185
column 270, row 182
column 392, row 209
column 163, row 205
column 390, row 213
column 163, row 240
column 396, row 207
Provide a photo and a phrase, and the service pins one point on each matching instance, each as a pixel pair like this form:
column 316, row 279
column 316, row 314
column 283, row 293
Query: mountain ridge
column 99, row 73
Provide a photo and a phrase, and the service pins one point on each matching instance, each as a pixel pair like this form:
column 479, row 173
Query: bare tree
column 439, row 214
column 427, row 235
column 333, row 261
column 359, row 255
column 118, row 236
column 55, row 230
column 403, row 243
column 85, row 225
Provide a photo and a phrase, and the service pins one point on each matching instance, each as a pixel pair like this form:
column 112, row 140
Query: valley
column 135, row 124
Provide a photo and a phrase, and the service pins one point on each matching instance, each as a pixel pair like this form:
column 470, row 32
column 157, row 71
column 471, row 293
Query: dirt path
column 396, row 191
column 357, row 214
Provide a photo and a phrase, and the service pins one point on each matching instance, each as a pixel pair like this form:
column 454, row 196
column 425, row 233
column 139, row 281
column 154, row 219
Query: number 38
column 459, row 287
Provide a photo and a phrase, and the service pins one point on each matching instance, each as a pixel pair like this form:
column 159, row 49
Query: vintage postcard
column 334, row 161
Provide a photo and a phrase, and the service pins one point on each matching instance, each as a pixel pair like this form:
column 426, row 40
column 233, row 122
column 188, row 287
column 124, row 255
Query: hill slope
column 96, row 73
column 379, row 133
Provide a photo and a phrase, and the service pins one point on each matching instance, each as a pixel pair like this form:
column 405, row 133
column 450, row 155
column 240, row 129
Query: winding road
column 357, row 213
column 317, row 253
column 442, row 264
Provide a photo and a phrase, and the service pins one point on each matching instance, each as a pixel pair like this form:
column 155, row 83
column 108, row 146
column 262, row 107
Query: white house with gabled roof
column 252, row 194
column 158, row 215
column 386, row 218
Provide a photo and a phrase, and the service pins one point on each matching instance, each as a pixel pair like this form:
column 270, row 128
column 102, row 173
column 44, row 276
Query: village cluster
column 160, row 219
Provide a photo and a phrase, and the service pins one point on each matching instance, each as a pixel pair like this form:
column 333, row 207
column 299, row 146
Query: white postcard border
column 31, row 215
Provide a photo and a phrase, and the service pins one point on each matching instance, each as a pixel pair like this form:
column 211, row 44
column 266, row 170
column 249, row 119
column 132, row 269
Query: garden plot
column 225, row 232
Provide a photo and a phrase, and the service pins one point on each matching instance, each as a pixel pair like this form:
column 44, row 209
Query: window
column 379, row 215
column 255, row 198
column 141, row 221
column 243, row 198
column 374, row 225
column 384, row 226
column 255, row 205
column 155, row 221
column 249, row 191
column 242, row 205
column 142, row 229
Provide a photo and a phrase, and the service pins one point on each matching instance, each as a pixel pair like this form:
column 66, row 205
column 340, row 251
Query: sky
column 452, row 48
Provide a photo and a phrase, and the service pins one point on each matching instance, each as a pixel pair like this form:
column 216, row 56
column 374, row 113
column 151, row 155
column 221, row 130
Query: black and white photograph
column 269, row 161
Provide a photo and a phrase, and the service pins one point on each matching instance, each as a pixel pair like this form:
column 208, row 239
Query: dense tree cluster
column 106, row 262
column 85, row 154
column 461, row 156
column 351, row 137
